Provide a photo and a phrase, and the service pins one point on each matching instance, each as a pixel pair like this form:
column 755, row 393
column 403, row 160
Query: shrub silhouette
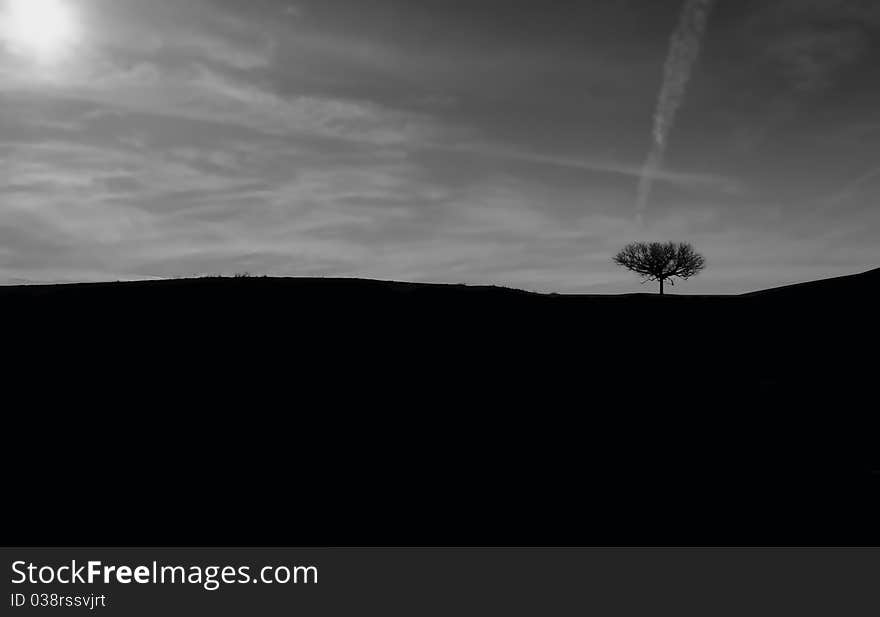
column 661, row 262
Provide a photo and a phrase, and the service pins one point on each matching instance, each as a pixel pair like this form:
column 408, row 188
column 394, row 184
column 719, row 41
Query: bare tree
column 660, row 262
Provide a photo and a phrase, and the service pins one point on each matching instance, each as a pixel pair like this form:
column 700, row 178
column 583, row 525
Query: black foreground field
column 322, row 411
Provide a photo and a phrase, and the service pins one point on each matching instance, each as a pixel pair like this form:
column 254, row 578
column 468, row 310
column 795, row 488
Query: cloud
column 812, row 56
column 175, row 33
column 812, row 41
column 684, row 51
column 201, row 94
column 681, row 179
column 844, row 196
column 780, row 12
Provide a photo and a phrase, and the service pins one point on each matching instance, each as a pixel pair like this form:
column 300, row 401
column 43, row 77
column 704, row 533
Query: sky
column 478, row 141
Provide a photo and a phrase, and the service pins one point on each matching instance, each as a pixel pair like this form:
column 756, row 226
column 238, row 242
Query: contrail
column 684, row 52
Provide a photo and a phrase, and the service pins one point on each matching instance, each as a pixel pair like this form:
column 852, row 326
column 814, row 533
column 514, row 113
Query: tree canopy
column 661, row 262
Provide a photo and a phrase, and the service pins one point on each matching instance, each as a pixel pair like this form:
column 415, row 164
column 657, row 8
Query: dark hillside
column 862, row 285
column 462, row 410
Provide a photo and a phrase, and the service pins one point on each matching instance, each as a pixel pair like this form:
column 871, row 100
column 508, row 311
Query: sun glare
column 43, row 30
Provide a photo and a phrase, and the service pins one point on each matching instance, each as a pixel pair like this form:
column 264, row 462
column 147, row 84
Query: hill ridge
column 415, row 285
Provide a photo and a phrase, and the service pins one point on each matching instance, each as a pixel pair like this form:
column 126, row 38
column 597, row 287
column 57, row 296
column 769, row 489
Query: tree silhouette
column 660, row 262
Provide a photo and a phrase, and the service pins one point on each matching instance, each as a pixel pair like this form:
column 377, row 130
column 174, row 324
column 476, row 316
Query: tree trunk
column 661, row 286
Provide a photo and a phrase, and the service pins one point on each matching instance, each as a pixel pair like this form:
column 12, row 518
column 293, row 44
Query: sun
column 43, row 30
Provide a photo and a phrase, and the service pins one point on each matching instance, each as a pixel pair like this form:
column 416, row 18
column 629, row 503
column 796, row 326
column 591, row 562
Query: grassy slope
column 432, row 399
